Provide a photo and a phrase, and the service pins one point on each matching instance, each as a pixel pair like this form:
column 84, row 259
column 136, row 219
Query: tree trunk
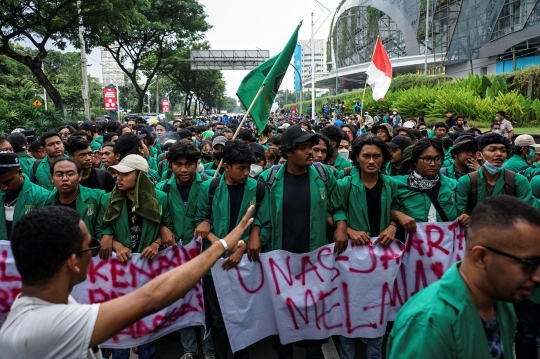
column 140, row 101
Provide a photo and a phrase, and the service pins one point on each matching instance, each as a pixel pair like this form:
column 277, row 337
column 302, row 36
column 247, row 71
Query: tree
column 228, row 104
column 153, row 34
column 48, row 22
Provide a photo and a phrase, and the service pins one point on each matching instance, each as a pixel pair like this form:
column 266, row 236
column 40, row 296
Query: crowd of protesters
column 141, row 188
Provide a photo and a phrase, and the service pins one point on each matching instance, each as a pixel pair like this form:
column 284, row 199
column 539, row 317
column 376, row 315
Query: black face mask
column 218, row 156
column 207, row 156
column 424, row 133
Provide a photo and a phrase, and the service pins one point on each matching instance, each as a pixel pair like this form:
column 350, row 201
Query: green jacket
column 417, row 205
column 119, row 227
column 182, row 216
column 324, row 202
column 26, row 162
column 352, row 193
column 523, row 190
column 88, row 205
column 341, row 163
column 42, row 176
column 219, row 213
column 516, row 164
column 153, row 152
column 442, row 322
column 31, row 197
column 96, row 143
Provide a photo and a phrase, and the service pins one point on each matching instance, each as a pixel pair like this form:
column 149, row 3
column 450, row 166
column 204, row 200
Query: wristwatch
column 226, row 247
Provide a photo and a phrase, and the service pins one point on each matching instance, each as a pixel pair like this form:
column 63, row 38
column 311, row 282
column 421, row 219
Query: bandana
column 420, row 183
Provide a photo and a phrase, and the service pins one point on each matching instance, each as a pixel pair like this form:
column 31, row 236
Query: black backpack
column 509, row 187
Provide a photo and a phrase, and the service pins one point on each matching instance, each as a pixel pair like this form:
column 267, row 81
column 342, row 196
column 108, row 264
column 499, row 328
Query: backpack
column 509, row 187
column 34, row 170
column 272, row 174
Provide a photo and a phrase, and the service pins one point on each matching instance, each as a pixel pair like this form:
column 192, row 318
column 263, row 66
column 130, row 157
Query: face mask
column 531, row 154
column 496, row 131
column 207, row 156
column 218, row 156
column 255, row 170
column 344, row 153
column 424, row 133
column 350, row 136
column 493, row 170
column 200, row 168
column 268, row 165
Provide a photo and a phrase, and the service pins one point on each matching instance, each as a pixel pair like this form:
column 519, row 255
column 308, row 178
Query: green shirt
column 341, row 163
column 463, row 190
column 30, row 197
column 352, row 193
column 183, row 216
column 88, row 205
column 417, row 204
column 442, row 322
column 42, row 176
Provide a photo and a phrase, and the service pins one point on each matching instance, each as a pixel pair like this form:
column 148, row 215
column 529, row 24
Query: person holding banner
column 220, row 204
column 468, row 312
column 182, row 191
column 66, row 174
column 53, row 250
column 134, row 214
column 425, row 195
column 301, row 195
column 368, row 196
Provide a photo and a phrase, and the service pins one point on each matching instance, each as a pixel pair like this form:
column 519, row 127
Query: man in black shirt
column 79, row 149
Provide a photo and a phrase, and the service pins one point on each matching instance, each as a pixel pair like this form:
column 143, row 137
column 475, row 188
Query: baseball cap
column 219, row 140
column 257, row 149
column 284, row 126
column 399, row 142
column 131, row 163
column 296, row 134
column 408, row 124
column 9, row 160
column 526, row 141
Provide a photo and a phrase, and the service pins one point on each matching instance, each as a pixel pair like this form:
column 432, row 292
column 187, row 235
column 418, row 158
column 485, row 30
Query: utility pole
column 312, row 70
column 85, row 98
column 157, row 95
column 426, row 40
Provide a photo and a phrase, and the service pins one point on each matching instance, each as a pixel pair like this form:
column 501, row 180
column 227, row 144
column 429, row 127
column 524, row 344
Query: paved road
column 169, row 347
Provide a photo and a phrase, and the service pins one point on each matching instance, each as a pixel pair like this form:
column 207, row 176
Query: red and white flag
column 379, row 72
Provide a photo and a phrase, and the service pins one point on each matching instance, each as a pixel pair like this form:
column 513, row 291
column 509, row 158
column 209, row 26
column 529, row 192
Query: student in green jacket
column 418, row 191
column 18, row 195
column 467, row 313
column 398, row 164
column 66, row 175
column 182, row 191
column 493, row 150
column 217, row 216
column 335, row 134
column 464, row 154
column 523, row 153
column 299, row 203
column 134, row 214
column 218, row 144
column 54, row 147
column 368, row 197
column 19, row 143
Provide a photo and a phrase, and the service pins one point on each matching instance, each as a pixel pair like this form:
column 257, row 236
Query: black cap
column 257, row 149
column 30, row 135
column 296, row 134
column 399, row 141
column 9, row 160
column 127, row 142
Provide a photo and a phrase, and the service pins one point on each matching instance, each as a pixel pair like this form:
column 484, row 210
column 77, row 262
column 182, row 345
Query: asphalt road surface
column 169, row 347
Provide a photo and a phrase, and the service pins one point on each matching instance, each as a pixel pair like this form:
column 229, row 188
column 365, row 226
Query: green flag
column 270, row 74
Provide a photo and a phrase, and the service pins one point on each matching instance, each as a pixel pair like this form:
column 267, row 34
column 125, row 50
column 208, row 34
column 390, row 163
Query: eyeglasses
column 64, row 134
column 532, row 264
column 60, row 175
column 428, row 160
column 94, row 247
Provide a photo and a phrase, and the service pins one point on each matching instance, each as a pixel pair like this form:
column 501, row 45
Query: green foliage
column 526, row 81
column 29, row 117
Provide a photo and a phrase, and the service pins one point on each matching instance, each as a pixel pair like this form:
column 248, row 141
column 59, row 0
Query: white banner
column 111, row 279
column 317, row 294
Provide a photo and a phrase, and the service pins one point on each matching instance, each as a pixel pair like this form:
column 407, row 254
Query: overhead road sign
column 227, row 59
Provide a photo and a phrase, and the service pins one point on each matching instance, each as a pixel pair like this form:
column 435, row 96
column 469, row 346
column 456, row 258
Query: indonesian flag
column 379, row 72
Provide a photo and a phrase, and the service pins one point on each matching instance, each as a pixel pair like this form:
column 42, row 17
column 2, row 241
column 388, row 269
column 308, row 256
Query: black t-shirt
column 373, row 199
column 135, row 226
column 92, row 180
column 493, row 335
column 72, row 204
column 184, row 192
column 296, row 213
column 236, row 194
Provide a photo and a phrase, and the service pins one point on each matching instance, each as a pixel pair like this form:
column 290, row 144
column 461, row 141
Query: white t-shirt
column 36, row 329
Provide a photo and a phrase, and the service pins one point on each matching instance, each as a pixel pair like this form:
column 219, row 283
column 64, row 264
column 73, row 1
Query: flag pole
column 365, row 84
column 241, row 124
